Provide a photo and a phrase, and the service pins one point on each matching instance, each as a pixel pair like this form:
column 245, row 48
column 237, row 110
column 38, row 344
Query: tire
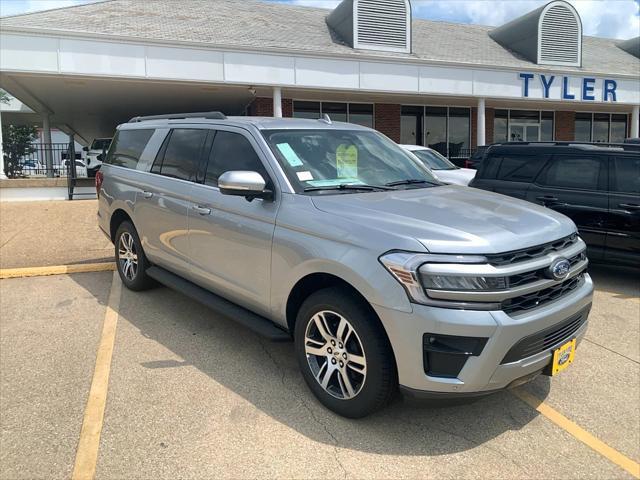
column 128, row 247
column 318, row 322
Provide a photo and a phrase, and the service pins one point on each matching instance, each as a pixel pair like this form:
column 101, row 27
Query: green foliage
column 4, row 97
column 16, row 143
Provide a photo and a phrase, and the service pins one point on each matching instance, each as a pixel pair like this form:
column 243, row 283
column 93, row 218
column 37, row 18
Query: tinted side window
column 127, row 146
column 626, row 175
column 573, row 172
column 520, row 168
column 182, row 153
column 232, row 151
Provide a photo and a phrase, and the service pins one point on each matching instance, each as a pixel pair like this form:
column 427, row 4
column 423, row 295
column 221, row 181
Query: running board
column 260, row 325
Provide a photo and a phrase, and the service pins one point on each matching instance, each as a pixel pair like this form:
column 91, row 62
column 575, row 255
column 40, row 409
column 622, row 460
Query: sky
column 602, row 18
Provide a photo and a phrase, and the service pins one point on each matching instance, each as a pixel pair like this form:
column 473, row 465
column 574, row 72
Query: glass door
column 524, row 132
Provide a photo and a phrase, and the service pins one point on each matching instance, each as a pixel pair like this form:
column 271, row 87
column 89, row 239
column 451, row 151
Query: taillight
column 99, row 179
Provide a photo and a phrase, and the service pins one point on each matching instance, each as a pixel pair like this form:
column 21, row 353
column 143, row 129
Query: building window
column 445, row 129
column 358, row 113
column 523, row 126
column 600, row 127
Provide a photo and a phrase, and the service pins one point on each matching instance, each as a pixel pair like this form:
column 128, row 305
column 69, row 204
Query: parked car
column 443, row 168
column 94, row 154
column 32, row 168
column 598, row 187
column 327, row 233
column 81, row 169
column 475, row 159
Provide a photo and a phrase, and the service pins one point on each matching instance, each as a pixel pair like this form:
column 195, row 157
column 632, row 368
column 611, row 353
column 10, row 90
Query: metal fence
column 44, row 160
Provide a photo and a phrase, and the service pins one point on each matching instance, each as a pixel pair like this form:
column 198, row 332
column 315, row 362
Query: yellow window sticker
column 347, row 161
column 289, row 154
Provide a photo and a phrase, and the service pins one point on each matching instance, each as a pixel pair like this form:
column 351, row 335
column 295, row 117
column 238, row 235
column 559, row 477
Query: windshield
column 100, row 144
column 434, row 160
column 314, row 160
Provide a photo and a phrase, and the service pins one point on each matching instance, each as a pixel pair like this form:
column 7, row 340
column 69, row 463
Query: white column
column 635, row 119
column 2, row 175
column 277, row 102
column 46, row 133
column 480, row 127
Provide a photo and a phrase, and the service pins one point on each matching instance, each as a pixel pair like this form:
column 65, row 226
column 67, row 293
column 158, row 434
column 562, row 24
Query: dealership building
column 84, row 69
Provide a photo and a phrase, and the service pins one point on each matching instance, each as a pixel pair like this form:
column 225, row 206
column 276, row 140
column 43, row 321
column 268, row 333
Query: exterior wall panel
column 29, row 53
column 184, row 64
column 327, row 73
column 259, row 69
column 389, row 77
column 102, row 58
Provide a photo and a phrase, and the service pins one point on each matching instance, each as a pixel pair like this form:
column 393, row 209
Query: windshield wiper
column 411, row 181
column 356, row 186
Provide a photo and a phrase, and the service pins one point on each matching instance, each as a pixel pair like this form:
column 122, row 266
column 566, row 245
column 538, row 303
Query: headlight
column 418, row 272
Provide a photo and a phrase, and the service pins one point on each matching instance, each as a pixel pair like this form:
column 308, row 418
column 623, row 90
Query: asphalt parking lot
column 193, row 395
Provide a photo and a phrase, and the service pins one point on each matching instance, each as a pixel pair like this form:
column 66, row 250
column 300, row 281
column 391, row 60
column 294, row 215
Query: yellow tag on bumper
column 563, row 357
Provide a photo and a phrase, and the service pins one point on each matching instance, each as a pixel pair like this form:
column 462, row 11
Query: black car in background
column 598, row 187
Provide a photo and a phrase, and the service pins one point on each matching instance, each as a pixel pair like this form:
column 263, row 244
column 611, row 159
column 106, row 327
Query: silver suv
column 331, row 234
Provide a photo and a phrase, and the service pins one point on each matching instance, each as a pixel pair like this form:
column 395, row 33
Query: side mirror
column 244, row 183
column 85, row 149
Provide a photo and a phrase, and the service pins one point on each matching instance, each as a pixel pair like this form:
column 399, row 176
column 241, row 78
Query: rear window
column 127, row 146
column 573, row 172
column 626, row 177
column 519, row 168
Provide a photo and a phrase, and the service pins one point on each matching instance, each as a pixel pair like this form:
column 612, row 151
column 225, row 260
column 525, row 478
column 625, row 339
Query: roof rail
column 623, row 146
column 180, row 116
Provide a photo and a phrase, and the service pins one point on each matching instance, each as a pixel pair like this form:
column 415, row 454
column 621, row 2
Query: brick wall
column 263, row 107
column 565, row 125
column 489, row 116
column 387, row 120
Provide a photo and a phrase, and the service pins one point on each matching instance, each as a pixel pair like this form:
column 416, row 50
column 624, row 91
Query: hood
column 459, row 176
column 451, row 219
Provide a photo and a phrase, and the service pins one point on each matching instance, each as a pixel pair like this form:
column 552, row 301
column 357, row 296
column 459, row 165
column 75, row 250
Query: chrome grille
column 542, row 297
column 532, row 252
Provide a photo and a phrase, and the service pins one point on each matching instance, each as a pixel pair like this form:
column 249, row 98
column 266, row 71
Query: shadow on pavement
column 624, row 282
column 266, row 375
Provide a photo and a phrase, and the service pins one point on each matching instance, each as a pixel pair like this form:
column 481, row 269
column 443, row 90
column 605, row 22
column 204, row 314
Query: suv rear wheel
column 344, row 354
column 130, row 258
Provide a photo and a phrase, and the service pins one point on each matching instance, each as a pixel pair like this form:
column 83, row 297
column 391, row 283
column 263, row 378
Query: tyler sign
column 555, row 87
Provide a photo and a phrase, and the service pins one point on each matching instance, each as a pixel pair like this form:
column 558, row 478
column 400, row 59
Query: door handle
column 202, row 210
column 630, row 206
column 147, row 194
column 547, row 198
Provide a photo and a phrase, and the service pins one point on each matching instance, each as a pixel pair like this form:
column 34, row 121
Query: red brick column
column 261, row 107
column 474, row 126
column 387, row 120
column 287, row 107
column 565, row 126
column 489, row 116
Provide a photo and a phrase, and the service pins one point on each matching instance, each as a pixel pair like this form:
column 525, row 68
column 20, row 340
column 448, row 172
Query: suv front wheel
column 130, row 258
column 344, row 354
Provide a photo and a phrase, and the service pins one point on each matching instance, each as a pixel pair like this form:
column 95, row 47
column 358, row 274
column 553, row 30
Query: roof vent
column 374, row 24
column 631, row 46
column 549, row 35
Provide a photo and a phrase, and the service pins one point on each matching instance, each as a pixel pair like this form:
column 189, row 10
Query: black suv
column 598, row 187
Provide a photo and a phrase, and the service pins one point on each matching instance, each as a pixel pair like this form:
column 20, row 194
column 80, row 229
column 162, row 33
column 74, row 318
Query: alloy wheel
column 127, row 256
column 335, row 355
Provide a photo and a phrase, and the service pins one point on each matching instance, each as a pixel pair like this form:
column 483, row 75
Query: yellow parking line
column 87, row 453
column 580, row 434
column 56, row 270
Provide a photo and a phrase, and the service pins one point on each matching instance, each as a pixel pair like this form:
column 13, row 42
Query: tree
column 17, row 141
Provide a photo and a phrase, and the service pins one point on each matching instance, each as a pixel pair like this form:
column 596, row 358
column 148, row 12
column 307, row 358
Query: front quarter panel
column 308, row 241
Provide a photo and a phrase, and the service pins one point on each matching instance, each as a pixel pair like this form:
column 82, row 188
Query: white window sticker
column 304, row 176
column 290, row 156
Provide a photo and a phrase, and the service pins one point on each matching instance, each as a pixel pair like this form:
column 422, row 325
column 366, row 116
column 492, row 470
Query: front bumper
column 485, row 372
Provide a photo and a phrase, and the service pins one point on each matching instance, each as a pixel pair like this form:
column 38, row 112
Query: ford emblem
column 559, row 269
